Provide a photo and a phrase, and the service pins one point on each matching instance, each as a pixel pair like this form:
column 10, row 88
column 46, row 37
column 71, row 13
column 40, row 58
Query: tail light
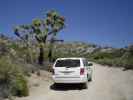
column 82, row 70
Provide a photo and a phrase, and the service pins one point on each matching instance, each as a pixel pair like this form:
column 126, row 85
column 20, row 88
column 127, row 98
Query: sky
column 102, row 22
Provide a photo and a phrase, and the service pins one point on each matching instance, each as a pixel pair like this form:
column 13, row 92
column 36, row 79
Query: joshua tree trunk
column 41, row 55
column 50, row 54
column 30, row 59
column 29, row 53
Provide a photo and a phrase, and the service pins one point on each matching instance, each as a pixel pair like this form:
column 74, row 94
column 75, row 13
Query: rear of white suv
column 71, row 70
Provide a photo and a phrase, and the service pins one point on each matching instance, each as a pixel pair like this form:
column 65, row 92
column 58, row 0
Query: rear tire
column 89, row 79
column 56, row 85
column 84, row 85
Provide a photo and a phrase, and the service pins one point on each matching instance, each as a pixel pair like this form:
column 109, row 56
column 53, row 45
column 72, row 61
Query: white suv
column 72, row 70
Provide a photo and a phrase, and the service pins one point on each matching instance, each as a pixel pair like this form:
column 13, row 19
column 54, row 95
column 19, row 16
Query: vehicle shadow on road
column 66, row 87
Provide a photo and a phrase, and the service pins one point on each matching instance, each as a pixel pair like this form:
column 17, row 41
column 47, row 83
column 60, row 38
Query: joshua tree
column 51, row 25
column 42, row 29
column 52, row 41
column 24, row 32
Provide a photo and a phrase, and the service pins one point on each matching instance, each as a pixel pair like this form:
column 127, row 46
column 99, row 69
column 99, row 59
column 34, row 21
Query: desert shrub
column 127, row 58
column 102, row 55
column 117, row 57
column 105, row 62
column 127, row 63
column 12, row 75
column 19, row 86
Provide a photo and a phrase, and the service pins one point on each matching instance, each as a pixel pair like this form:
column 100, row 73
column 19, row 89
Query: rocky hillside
column 79, row 49
column 104, row 55
column 74, row 49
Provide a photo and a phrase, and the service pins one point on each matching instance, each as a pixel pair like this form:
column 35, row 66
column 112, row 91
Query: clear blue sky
column 103, row 22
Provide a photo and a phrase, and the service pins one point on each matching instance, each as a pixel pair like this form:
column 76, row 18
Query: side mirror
column 90, row 64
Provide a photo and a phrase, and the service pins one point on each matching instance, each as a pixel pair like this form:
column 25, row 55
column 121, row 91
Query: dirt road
column 107, row 84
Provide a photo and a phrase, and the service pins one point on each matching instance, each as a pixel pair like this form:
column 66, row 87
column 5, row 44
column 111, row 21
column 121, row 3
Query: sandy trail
column 107, row 84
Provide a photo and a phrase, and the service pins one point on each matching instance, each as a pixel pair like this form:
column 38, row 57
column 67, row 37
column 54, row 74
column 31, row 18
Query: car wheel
column 84, row 85
column 57, row 85
column 89, row 79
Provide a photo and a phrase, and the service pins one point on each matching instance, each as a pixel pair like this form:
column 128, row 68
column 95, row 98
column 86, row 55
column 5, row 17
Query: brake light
column 82, row 70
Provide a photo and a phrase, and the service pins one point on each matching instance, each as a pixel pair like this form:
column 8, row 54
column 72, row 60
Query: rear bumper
column 81, row 79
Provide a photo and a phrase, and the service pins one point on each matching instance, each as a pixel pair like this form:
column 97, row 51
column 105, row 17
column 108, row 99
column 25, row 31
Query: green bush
column 117, row 57
column 12, row 75
column 19, row 86
column 105, row 62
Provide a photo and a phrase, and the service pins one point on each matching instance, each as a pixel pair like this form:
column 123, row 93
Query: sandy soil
column 107, row 84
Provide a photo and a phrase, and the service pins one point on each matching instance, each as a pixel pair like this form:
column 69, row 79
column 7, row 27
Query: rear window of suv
column 67, row 63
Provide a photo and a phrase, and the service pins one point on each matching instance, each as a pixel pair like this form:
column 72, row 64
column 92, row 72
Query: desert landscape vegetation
column 27, row 56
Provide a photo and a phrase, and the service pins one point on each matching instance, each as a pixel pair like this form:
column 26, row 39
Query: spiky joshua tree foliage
column 42, row 29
